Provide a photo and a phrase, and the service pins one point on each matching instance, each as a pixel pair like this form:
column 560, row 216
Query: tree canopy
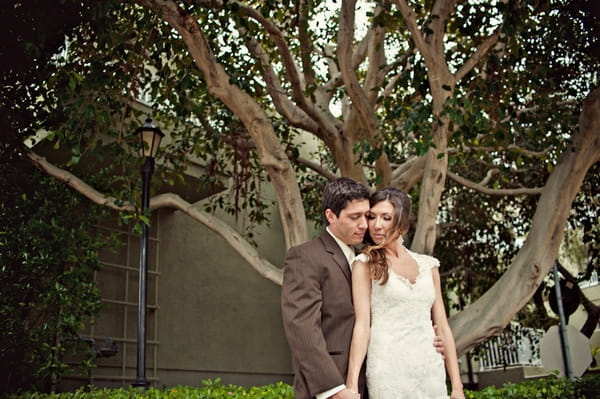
column 487, row 113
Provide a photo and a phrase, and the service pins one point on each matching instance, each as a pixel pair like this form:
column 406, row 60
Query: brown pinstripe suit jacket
column 318, row 315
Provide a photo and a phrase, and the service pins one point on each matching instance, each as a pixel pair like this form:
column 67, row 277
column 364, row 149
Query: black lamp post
column 150, row 137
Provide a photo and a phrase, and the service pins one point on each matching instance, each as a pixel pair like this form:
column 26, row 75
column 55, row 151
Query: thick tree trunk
column 494, row 310
column 434, row 175
column 432, row 186
column 441, row 83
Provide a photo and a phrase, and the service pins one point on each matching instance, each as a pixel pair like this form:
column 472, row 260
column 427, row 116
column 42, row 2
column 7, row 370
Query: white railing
column 518, row 346
column 591, row 282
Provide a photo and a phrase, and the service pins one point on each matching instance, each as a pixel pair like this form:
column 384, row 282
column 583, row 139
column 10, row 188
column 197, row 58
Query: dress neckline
column 404, row 278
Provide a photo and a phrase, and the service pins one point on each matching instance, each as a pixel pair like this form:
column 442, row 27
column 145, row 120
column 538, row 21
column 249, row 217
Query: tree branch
column 306, row 45
column 291, row 69
column 477, row 56
column 411, row 23
column 409, row 173
column 452, row 271
column 296, row 115
column 440, row 13
column 297, row 82
column 507, row 191
column 320, row 169
column 376, row 53
column 403, row 60
column 76, row 183
column 168, row 200
column 230, row 235
column 488, row 176
column 306, row 115
column 512, row 147
column 360, row 101
column 325, row 92
column 362, row 105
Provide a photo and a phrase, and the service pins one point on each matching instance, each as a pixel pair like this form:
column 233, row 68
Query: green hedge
column 211, row 389
column 587, row 387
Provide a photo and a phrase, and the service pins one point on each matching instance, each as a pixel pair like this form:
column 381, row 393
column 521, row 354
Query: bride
column 397, row 300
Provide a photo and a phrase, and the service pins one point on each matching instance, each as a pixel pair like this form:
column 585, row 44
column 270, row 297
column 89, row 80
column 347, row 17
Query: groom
column 316, row 297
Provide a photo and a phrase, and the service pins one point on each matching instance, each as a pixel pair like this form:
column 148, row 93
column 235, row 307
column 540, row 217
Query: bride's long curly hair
column 378, row 263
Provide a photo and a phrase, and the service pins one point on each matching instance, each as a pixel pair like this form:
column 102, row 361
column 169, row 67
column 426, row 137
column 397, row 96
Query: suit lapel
column 337, row 254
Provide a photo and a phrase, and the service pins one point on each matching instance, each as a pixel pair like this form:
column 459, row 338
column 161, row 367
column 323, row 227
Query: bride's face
column 380, row 220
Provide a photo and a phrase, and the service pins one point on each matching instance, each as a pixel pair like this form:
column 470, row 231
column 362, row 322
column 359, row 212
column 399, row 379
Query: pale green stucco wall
column 217, row 316
column 210, row 315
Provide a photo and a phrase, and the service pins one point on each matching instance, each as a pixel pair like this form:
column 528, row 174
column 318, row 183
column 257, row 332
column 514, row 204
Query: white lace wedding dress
column 402, row 362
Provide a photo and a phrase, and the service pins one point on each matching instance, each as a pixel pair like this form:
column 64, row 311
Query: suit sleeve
column 301, row 309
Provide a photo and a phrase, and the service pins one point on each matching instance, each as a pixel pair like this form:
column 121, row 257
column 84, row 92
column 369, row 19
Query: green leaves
column 47, row 293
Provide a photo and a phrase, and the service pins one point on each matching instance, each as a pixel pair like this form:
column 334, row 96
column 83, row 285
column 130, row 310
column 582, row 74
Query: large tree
column 497, row 96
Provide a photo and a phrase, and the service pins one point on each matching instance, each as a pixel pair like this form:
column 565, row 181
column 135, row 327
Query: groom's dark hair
column 339, row 192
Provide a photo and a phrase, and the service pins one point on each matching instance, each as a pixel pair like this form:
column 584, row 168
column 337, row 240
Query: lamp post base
column 141, row 383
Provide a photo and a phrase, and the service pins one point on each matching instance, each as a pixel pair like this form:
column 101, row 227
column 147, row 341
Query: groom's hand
column 346, row 394
column 438, row 342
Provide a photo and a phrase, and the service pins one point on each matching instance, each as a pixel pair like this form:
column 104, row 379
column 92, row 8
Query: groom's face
column 351, row 225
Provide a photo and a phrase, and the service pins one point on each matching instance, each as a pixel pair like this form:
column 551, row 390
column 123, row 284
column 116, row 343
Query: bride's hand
column 457, row 394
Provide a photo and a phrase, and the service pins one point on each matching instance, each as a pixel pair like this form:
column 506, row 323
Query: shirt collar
column 346, row 249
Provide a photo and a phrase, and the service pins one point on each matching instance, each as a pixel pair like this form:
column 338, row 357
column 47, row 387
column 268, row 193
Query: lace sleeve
column 361, row 257
column 425, row 262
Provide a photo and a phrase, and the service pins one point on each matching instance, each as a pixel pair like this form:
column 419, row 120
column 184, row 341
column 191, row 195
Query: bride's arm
column 439, row 317
column 361, row 296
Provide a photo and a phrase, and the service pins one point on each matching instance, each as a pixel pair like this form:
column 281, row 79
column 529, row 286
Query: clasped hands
column 346, row 393
column 457, row 395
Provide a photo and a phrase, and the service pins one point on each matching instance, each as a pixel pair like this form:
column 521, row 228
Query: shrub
column 586, row 387
column 589, row 386
column 211, row 389
column 48, row 253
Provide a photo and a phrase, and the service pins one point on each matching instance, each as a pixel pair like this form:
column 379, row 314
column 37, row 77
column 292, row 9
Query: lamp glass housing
column 150, row 137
